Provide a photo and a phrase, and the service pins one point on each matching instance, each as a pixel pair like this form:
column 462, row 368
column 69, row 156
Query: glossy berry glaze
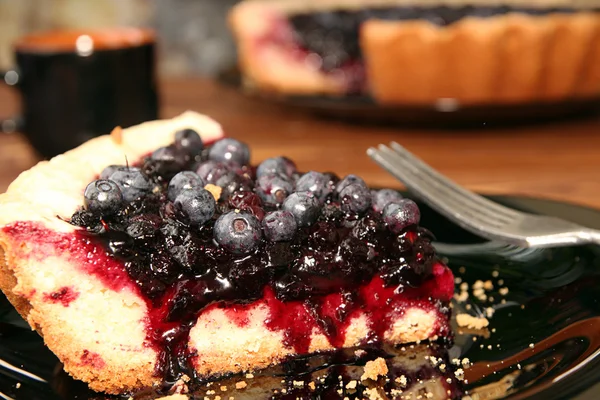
column 341, row 266
column 329, row 40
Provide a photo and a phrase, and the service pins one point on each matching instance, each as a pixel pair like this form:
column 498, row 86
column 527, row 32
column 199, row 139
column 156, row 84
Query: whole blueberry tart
column 409, row 52
column 158, row 254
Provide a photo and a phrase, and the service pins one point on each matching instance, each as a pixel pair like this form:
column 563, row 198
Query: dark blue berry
column 103, row 196
column 383, row 197
column 132, row 182
column 399, row 215
column 273, row 189
column 108, row 171
column 348, row 180
column 229, row 149
column 166, row 161
column 276, row 165
column 355, row 198
column 195, row 206
column 184, row 180
column 189, row 141
column 237, row 232
column 279, row 226
column 314, row 182
column 304, row 206
column 212, row 171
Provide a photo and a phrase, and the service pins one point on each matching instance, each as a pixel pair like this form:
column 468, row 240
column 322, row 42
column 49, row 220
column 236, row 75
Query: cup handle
column 13, row 124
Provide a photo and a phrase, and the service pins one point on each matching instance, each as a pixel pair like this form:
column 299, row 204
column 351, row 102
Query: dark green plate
column 543, row 342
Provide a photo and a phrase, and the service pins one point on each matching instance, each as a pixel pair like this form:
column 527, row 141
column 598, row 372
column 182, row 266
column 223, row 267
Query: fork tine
column 423, row 168
column 467, row 201
column 432, row 191
column 445, row 202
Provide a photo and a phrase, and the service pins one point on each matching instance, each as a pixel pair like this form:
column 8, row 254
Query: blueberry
column 355, row 198
column 399, row 215
column 103, row 196
column 166, row 161
column 277, row 165
column 184, row 180
column 108, row 171
column 383, row 197
column 273, row 189
column 348, row 180
column 314, row 182
column 212, row 171
column 238, row 233
column 230, row 150
column 132, row 182
column 194, row 206
column 189, row 141
column 304, row 206
column 279, row 226
column 226, row 179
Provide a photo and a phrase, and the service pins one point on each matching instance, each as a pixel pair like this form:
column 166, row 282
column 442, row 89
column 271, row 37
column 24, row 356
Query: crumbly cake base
column 221, row 346
column 513, row 58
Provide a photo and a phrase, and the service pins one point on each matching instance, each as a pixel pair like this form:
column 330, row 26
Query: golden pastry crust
column 504, row 59
column 96, row 344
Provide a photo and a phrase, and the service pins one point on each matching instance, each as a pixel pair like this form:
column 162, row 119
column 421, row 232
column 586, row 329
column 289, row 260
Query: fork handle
column 590, row 235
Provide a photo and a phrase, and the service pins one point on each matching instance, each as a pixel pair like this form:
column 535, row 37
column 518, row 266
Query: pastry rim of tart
column 414, row 61
column 75, row 275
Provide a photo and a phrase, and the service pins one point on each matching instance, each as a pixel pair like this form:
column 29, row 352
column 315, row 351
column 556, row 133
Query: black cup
column 76, row 85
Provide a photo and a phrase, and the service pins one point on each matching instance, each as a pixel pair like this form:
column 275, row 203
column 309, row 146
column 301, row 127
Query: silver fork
column 475, row 213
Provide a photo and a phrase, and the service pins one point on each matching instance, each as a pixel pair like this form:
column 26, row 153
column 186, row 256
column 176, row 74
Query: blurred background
column 547, row 158
column 192, row 34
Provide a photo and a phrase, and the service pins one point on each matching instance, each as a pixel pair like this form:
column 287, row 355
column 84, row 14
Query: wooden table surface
column 559, row 160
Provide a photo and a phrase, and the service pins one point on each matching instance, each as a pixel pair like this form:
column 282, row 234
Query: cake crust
column 504, row 59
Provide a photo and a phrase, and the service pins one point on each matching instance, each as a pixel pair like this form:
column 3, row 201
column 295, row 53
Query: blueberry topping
column 304, row 206
column 237, row 232
column 143, row 226
column 184, row 180
column 276, row 165
column 400, row 215
column 348, row 180
column 195, row 206
column 273, row 189
column 249, row 202
column 103, row 196
column 314, row 182
column 108, row 171
column 383, row 197
column 355, row 198
column 279, row 226
column 189, row 141
column 132, row 182
column 165, row 162
column 229, row 149
column 217, row 173
column 187, row 251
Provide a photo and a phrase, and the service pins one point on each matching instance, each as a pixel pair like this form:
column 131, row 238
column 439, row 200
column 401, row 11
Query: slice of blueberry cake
column 159, row 252
column 418, row 52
